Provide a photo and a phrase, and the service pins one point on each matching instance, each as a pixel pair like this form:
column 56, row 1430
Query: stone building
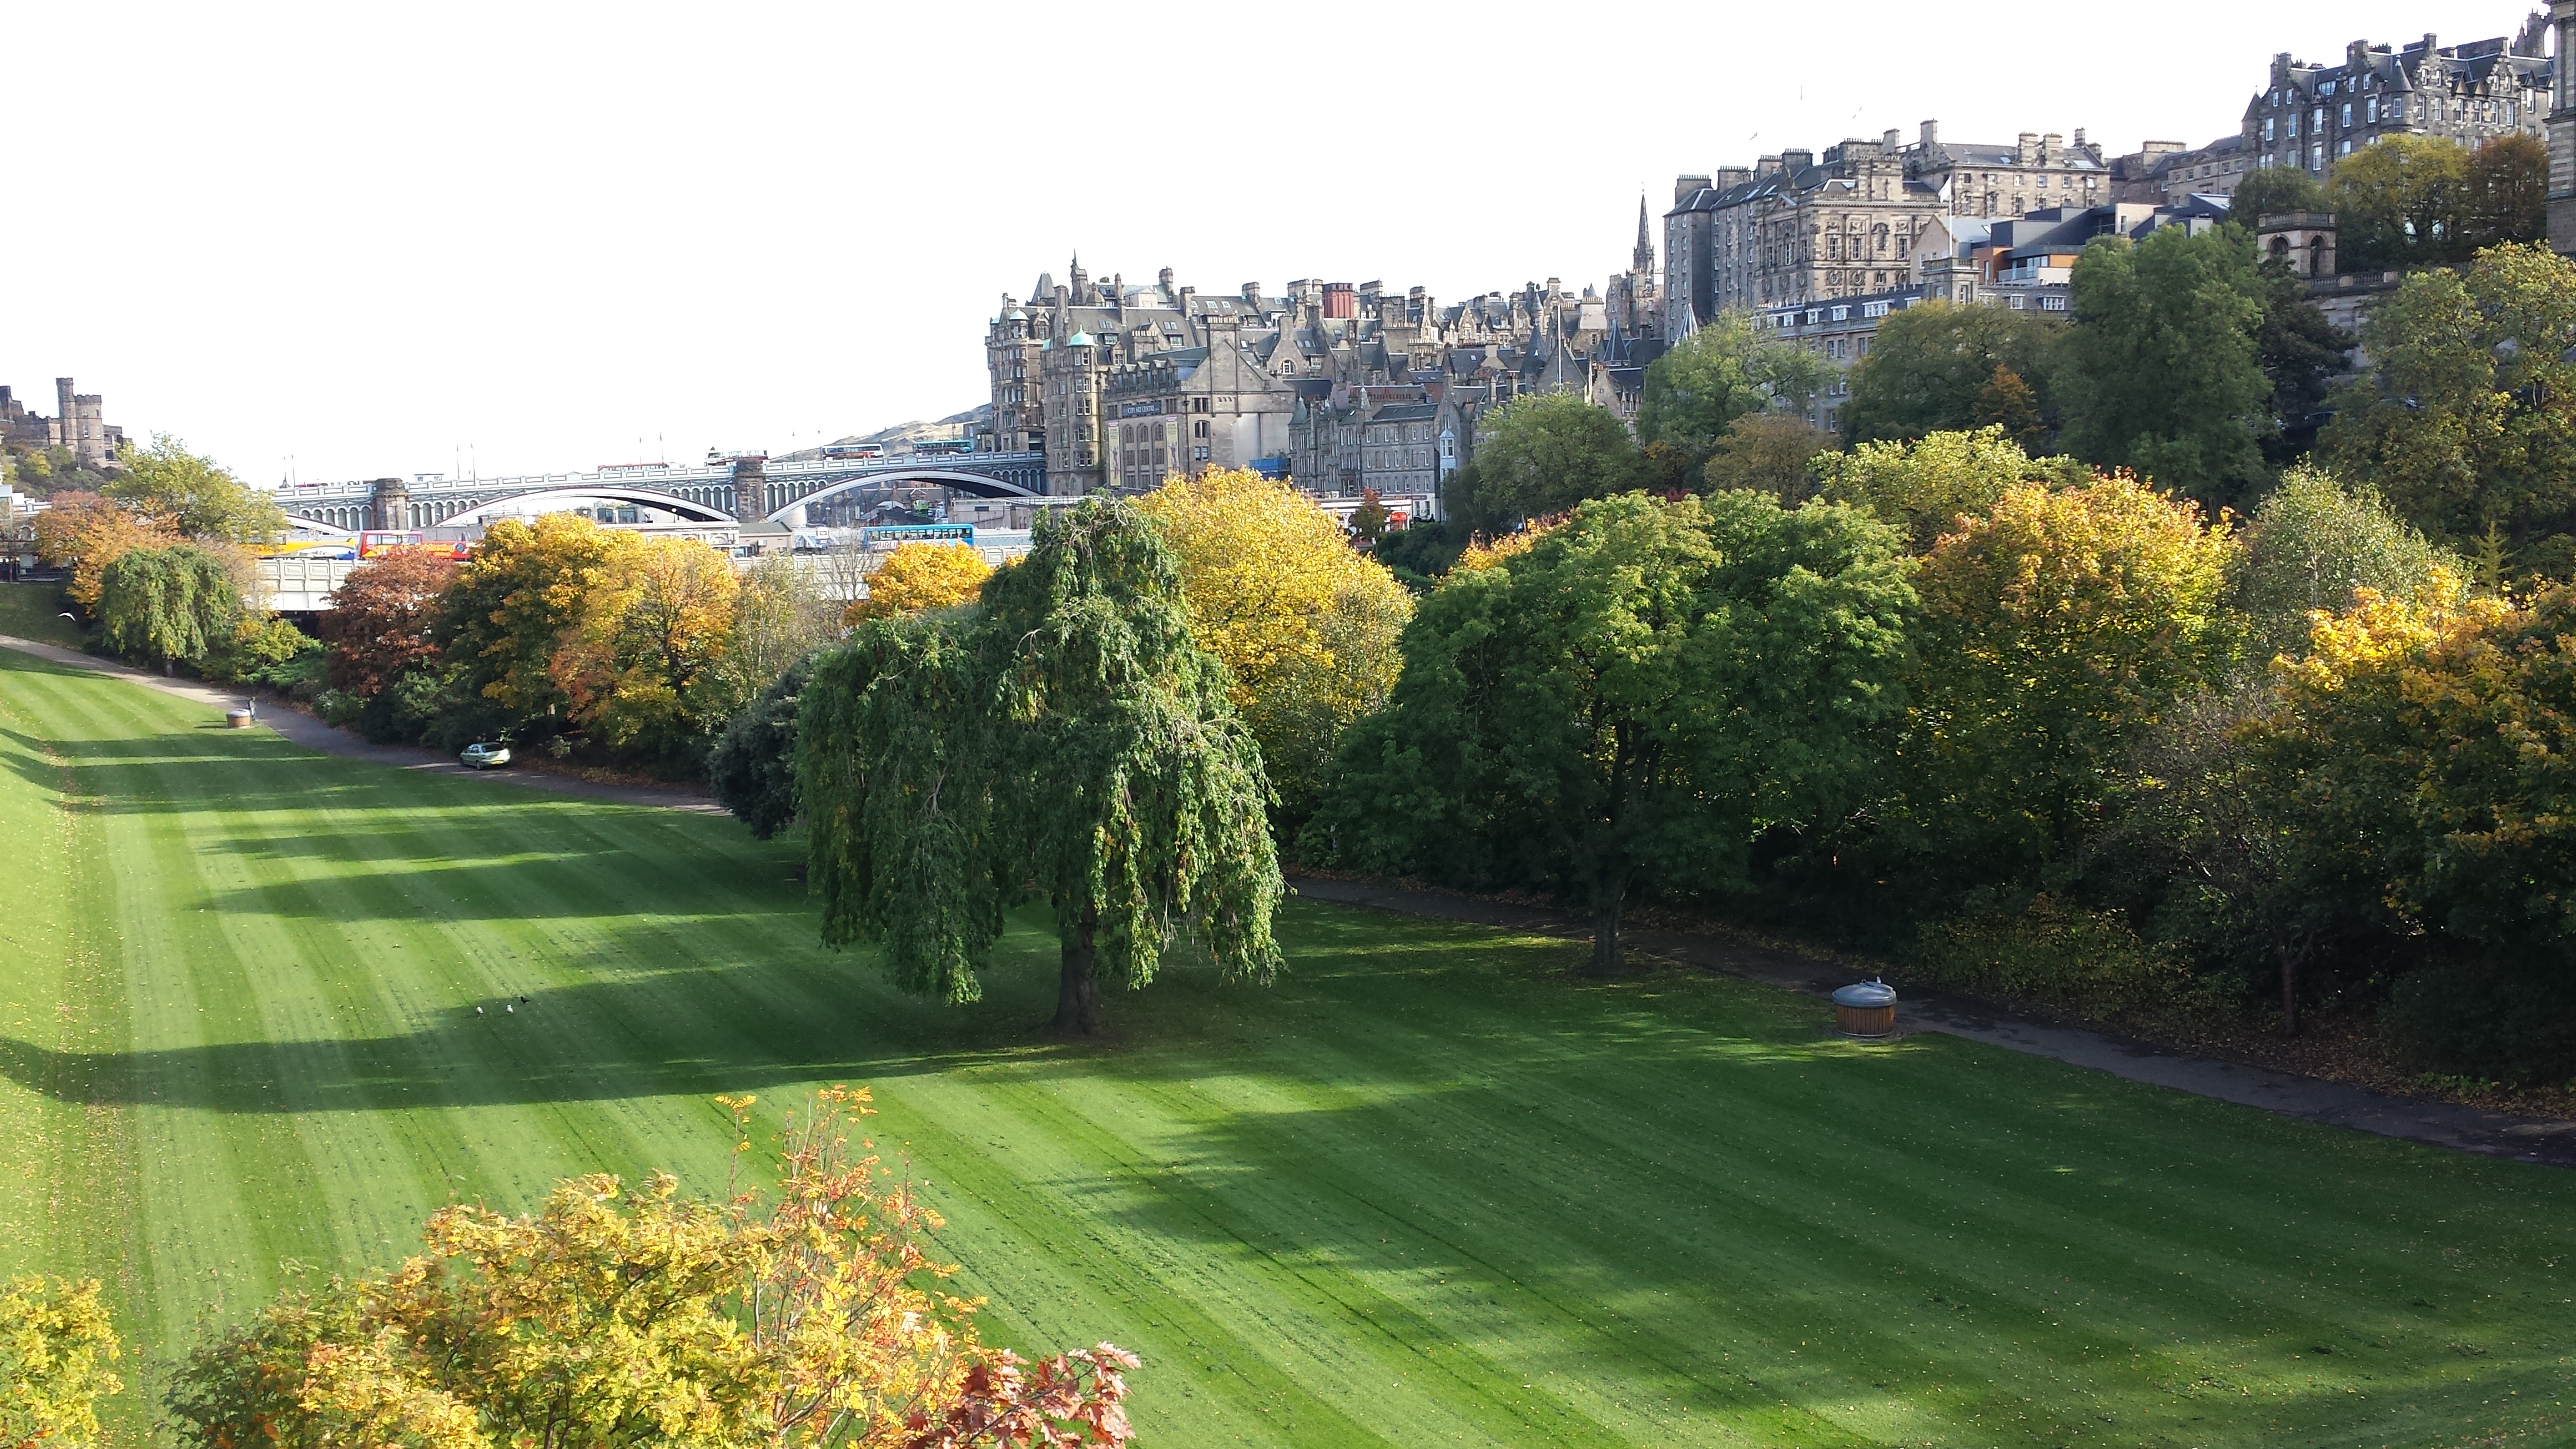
column 2169, row 173
column 1184, row 409
column 79, row 424
column 2562, row 131
column 2036, row 172
column 2313, row 115
column 1791, row 230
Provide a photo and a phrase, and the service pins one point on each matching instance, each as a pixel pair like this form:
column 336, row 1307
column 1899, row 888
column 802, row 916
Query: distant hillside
column 899, row 439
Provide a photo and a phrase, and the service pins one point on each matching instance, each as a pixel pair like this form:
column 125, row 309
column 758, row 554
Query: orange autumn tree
column 918, row 576
column 614, row 1317
column 87, row 533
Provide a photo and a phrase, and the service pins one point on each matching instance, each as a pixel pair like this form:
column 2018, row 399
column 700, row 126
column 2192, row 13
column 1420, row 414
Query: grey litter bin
column 1866, row 1008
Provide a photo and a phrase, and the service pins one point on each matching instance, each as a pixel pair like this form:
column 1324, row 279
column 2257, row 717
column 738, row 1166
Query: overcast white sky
column 380, row 239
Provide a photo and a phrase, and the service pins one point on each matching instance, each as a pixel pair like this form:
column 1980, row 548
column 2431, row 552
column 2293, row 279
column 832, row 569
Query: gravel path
column 2440, row 1124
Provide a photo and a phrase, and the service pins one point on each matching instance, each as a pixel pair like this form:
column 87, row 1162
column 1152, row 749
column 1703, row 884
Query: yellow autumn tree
column 919, row 576
column 1307, row 624
column 637, row 663
column 621, row 1315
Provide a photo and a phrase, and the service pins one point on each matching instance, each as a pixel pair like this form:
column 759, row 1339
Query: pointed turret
column 1644, row 257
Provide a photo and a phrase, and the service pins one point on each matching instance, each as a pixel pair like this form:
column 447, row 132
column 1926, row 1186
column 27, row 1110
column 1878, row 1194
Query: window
column 2317, row 157
column 2370, row 110
column 2268, row 129
column 2344, row 149
column 2347, row 113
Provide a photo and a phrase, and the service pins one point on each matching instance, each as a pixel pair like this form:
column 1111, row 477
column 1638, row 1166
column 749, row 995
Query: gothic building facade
column 2312, row 116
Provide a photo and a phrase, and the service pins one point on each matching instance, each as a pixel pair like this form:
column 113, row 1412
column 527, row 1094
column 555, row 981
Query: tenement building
column 2313, row 115
column 2562, row 132
column 1792, row 230
column 1122, row 386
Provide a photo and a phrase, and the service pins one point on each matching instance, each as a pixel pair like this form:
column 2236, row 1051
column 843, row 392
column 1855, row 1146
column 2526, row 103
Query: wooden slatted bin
column 1866, row 1009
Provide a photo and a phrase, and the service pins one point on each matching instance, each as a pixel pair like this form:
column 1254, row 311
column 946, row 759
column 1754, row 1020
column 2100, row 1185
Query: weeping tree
column 1064, row 741
column 164, row 604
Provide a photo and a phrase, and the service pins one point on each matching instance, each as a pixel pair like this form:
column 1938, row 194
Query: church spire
column 1645, row 253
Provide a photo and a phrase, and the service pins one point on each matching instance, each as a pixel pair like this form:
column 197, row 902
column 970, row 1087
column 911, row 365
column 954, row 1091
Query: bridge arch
column 556, row 500
column 979, row 485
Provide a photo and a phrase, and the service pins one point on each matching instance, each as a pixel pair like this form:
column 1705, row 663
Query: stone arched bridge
column 745, row 490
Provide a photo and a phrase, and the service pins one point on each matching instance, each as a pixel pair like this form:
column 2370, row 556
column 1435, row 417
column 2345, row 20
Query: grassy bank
column 35, row 611
column 1425, row 1191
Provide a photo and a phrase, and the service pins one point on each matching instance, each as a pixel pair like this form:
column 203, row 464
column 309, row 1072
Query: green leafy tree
column 1065, row 740
column 1546, row 454
column 2311, row 544
column 2056, row 625
column 2466, row 422
column 1626, row 701
column 2397, row 203
column 1932, row 486
column 2302, row 352
column 2276, row 191
column 1930, row 365
column 194, row 495
column 55, row 1350
column 753, row 766
column 1771, row 453
column 2504, row 194
column 1724, row 371
column 166, row 605
column 2163, row 372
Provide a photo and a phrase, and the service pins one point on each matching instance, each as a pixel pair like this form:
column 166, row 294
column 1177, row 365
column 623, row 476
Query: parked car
column 482, row 756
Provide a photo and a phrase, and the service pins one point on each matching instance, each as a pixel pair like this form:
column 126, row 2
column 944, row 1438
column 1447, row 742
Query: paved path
column 313, row 734
column 2442, row 1124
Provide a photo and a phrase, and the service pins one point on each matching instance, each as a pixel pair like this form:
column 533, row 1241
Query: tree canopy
column 919, row 576
column 1305, row 625
column 56, row 1348
column 1933, row 486
column 1066, row 740
column 2163, row 373
column 1545, row 454
column 193, row 495
column 1721, row 372
column 378, row 624
column 168, row 604
column 1930, row 365
column 2397, row 202
column 2466, row 422
column 2055, row 625
column 2276, row 191
column 1627, row 699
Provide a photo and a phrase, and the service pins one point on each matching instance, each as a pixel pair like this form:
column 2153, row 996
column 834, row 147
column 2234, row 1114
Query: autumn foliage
column 918, row 576
column 378, row 624
column 616, row 1316
column 55, row 1348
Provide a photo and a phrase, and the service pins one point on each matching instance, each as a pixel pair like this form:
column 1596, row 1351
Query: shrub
column 2516, row 1026
column 55, row 1346
column 2062, row 955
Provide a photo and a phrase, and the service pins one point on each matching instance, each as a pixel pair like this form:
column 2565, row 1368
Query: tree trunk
column 2289, row 991
column 1077, row 994
column 1607, row 957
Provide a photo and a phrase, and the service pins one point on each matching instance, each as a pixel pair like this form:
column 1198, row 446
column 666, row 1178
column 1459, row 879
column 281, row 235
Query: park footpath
column 2334, row 1104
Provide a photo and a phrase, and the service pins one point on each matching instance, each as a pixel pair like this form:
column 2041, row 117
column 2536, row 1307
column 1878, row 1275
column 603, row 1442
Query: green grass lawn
column 1426, row 1191
column 35, row 611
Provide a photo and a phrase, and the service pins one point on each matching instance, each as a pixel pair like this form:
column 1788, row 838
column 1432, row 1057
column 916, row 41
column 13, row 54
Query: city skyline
column 514, row 243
